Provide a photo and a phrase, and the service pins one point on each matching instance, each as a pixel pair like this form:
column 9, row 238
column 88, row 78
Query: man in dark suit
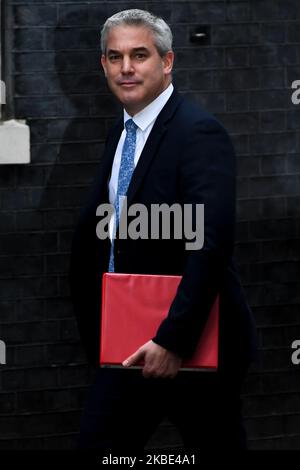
column 182, row 155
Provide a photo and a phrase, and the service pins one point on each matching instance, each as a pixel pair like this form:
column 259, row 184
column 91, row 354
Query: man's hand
column 158, row 361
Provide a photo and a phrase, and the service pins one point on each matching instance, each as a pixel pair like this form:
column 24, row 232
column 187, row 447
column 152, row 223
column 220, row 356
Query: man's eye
column 140, row 56
column 113, row 57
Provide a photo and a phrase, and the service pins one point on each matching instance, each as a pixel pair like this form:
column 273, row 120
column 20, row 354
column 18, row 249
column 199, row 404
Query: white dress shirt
column 144, row 120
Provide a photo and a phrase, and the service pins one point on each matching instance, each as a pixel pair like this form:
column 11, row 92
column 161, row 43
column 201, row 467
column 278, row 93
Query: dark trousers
column 123, row 409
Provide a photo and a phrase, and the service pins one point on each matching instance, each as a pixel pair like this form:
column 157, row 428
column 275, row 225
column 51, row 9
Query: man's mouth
column 128, row 83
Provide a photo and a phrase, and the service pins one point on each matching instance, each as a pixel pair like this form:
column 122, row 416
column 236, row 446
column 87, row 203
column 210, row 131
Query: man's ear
column 103, row 63
column 168, row 60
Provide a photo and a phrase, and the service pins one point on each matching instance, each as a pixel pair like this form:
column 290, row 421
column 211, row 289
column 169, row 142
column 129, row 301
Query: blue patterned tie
column 125, row 173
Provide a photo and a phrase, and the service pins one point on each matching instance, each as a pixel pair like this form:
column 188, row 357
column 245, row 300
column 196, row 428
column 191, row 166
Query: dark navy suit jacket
column 187, row 159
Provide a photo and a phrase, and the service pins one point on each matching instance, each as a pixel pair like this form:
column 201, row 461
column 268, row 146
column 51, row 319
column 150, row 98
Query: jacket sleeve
column 207, row 176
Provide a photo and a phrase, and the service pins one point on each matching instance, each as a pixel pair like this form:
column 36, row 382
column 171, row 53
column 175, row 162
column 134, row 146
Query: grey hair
column 135, row 17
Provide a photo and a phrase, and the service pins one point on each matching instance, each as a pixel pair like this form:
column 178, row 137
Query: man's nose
column 127, row 66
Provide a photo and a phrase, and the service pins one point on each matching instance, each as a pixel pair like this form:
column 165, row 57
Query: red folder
column 133, row 306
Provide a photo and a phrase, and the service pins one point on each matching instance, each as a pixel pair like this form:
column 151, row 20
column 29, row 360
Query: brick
column 58, row 308
column 63, row 285
column 181, row 79
column 248, row 209
column 237, row 57
column 269, row 99
column 29, row 39
column 31, row 243
column 7, row 403
column 237, row 101
column 293, row 206
column 30, row 176
column 242, row 231
column 7, row 222
column 35, row 15
column 72, row 196
column 34, row 61
column 86, row 82
column 278, row 185
column 206, row 57
column 84, row 153
column 293, row 119
column 235, row 34
column 238, row 11
column 78, row 38
column 293, row 32
column 272, row 121
column 36, row 107
column 272, row 382
column 248, row 167
column 271, row 404
column 103, row 105
column 281, row 249
column 200, row 80
column 98, row 13
column 273, row 229
column 213, row 101
column 282, row 142
column 242, row 187
column 265, row 10
column 273, row 207
column 59, row 219
column 75, row 375
column 273, row 165
column 71, row 353
column 52, row 400
column 11, row 266
column 210, row 12
column 31, row 332
column 181, row 35
column 80, row 130
column 281, row 293
column 240, row 123
column 34, row 378
column 272, row 77
column 8, row 176
column 61, row 442
column 272, row 34
column 28, row 355
column 237, row 79
column 65, row 241
column 75, row 15
column 38, row 287
column 56, row 263
column 265, row 426
column 273, row 54
column 30, row 84
column 30, row 310
column 275, row 338
column 69, row 330
column 9, row 289
column 247, row 252
column 276, row 315
column 78, row 61
column 8, row 311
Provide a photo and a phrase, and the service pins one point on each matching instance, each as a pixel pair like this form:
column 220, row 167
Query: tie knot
column 130, row 126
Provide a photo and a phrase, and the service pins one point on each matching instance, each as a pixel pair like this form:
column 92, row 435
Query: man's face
column 135, row 71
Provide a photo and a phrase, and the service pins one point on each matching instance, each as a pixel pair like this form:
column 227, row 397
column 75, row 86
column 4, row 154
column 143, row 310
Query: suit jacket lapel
column 150, row 149
column 158, row 131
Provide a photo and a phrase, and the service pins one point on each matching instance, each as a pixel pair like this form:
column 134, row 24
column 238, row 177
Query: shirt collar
column 147, row 115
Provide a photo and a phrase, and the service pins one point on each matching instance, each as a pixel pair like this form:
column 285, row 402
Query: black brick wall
column 243, row 74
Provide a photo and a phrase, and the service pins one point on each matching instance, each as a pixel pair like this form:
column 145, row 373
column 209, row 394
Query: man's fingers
column 134, row 358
